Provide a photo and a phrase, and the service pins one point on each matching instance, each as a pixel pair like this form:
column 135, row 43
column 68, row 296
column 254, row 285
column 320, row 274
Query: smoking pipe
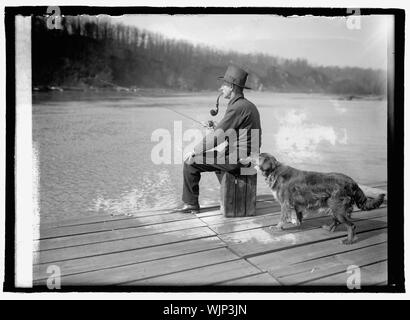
column 215, row 111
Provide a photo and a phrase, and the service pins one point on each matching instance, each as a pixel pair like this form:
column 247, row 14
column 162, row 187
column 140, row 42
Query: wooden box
column 238, row 195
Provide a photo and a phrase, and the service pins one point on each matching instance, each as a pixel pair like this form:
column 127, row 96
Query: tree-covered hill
column 91, row 51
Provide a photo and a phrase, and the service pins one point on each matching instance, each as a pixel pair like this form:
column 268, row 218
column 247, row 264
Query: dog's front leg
column 299, row 219
column 279, row 226
column 331, row 227
column 284, row 216
column 351, row 238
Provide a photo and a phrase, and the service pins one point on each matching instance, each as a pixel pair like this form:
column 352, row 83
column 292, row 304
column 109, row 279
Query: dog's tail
column 366, row 203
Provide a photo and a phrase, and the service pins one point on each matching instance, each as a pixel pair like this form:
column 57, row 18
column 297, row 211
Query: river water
column 95, row 152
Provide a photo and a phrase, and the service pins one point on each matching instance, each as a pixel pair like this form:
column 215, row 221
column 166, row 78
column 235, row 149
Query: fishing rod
column 184, row 115
column 213, row 112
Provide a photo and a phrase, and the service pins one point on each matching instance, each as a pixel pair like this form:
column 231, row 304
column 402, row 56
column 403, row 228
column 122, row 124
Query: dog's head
column 267, row 163
column 263, row 162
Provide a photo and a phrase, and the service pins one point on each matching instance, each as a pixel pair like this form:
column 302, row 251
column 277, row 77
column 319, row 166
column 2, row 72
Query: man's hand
column 189, row 157
column 210, row 124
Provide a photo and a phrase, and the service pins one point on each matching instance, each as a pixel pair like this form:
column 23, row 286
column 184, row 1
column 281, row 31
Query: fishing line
column 184, row 115
column 213, row 112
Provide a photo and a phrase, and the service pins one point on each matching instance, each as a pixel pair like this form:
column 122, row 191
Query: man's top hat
column 235, row 75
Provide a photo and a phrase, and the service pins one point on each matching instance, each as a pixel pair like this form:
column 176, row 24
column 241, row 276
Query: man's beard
column 228, row 96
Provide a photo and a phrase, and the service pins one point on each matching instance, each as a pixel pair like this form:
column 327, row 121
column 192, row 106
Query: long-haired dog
column 300, row 192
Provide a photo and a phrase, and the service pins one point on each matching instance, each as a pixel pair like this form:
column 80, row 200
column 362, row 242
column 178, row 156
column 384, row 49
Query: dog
column 300, row 192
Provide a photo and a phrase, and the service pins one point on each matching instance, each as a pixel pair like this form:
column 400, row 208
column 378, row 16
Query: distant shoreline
column 57, row 91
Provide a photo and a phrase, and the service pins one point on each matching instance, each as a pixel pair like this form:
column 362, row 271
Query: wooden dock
column 173, row 249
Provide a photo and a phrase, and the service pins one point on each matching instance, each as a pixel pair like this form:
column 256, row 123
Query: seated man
column 243, row 120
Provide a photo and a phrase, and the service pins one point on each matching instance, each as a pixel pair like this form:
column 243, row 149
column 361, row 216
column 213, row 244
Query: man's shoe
column 187, row 208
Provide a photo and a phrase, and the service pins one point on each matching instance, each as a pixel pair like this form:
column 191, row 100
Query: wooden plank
column 258, row 241
column 83, row 220
column 268, row 208
column 208, row 210
column 56, row 255
column 147, row 213
column 215, row 220
column 208, row 213
column 373, row 192
column 304, row 272
column 229, row 225
column 374, row 274
column 262, row 279
column 101, row 218
column 130, row 257
column 89, row 238
column 260, row 205
column 381, row 185
column 372, row 214
column 203, row 276
column 144, row 270
column 264, row 197
column 113, row 225
column 235, row 225
column 278, row 259
column 218, row 219
column 126, row 246
column 267, row 204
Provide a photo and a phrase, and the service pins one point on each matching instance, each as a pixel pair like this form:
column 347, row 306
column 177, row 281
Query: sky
column 324, row 41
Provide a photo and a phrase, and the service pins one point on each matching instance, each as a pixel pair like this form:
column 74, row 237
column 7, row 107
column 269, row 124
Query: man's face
column 226, row 89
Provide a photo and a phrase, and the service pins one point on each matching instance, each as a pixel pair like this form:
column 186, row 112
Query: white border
column 226, row 3
column 23, row 156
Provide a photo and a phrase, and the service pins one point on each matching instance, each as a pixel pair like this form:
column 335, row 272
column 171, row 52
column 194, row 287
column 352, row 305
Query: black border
column 395, row 146
column 395, row 161
column 10, row 145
